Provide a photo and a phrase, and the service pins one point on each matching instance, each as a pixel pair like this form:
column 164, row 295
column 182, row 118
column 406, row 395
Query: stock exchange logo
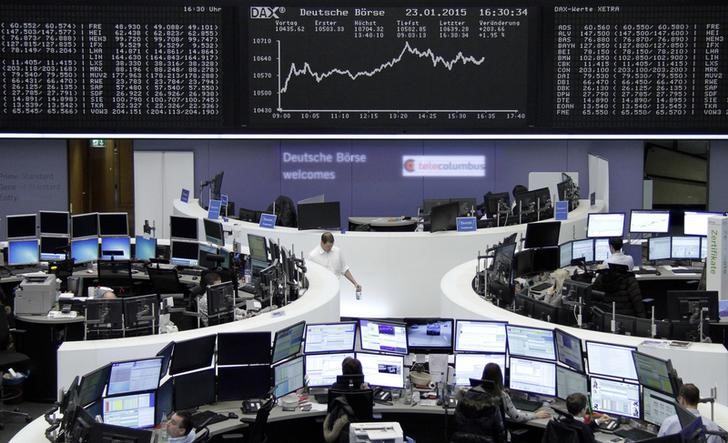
column 266, row 12
column 409, row 165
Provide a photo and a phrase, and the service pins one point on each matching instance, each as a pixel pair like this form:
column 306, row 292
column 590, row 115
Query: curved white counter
column 703, row 364
column 400, row 272
column 320, row 303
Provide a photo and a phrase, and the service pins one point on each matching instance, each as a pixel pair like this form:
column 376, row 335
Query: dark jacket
column 622, row 288
column 567, row 429
column 478, row 417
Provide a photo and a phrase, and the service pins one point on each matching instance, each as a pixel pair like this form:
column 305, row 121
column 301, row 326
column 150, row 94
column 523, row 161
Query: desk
column 385, row 224
column 701, row 363
column 400, row 272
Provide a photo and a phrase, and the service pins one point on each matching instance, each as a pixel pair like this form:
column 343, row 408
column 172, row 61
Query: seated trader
column 351, row 367
column 576, row 405
column 492, row 372
column 478, row 415
column 341, row 413
column 618, row 257
column 621, row 287
column 179, row 428
column 211, row 278
column 689, row 397
column 330, row 257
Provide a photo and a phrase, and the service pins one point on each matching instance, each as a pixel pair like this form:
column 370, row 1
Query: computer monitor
column 583, row 249
column 656, row 406
column 503, row 258
column 382, row 336
column 703, row 247
column 382, row 370
column 249, row 215
column 469, row 366
column 84, row 250
column 605, row 225
column 601, row 249
column 184, row 253
column 244, row 348
column 696, row 223
column 429, row 203
column 330, row 337
column 116, row 248
column 495, row 202
column 525, row 341
column 184, row 228
column 145, row 248
column 659, row 248
column 53, row 248
column 192, row 354
column 570, row 382
column 532, row 376
column 288, row 377
column 105, row 314
column 141, row 311
column 430, row 335
column 53, row 222
column 480, row 336
column 92, row 385
column 166, row 354
column 646, row 221
column 325, row 215
column 287, row 342
column 113, row 224
column 258, row 248
column 23, row 252
column 610, row 360
column 443, row 217
column 654, row 373
column 214, row 232
column 685, row 248
column 542, row 234
column 164, row 400
column 85, row 225
column 220, row 299
column 615, row 397
column 466, row 205
column 687, row 305
column 132, row 411
column 322, row 369
column 530, row 201
column 194, row 389
column 105, row 432
column 134, row 376
column 243, row 382
column 565, row 254
column 569, row 350
column 20, row 226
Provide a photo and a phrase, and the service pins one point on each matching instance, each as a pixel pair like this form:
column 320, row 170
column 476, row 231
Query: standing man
column 330, row 257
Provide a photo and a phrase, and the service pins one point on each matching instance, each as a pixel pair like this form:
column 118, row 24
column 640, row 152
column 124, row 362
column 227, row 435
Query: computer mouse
column 232, row 415
column 194, row 277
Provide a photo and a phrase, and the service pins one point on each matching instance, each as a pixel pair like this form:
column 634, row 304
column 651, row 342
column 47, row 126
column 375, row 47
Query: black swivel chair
column 257, row 433
column 8, row 359
column 115, row 274
column 164, row 281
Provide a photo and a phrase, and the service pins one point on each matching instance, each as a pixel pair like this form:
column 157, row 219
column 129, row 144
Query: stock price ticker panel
column 637, row 67
column 413, row 67
column 70, row 66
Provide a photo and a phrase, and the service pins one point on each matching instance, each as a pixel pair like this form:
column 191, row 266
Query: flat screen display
column 322, row 369
column 533, row 376
column 610, row 360
column 214, row 232
column 382, row 370
column 243, row 348
column 21, row 226
column 658, row 248
column 469, row 366
column 134, row 376
column 53, row 248
column 430, row 335
column 194, row 389
column 383, row 336
column 601, row 249
column 192, row 354
column 85, row 250
column 288, row 377
column 654, row 372
column 615, row 397
column 605, row 225
column 565, row 254
column 480, row 336
column 319, row 216
column 656, row 406
column 330, row 337
column 183, row 227
column 112, row 246
column 85, row 225
column 145, row 248
column 657, row 222
column 243, row 382
column 53, row 223
column 184, row 253
column 583, row 249
column 684, row 247
column 696, row 223
column 130, row 411
column 23, row 252
column 531, row 342
column 569, row 350
column 569, row 382
column 542, row 234
column 288, row 342
column 113, row 223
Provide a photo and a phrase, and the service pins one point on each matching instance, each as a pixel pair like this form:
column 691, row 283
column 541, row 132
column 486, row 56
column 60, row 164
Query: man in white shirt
column 179, row 428
column 330, row 257
column 689, row 398
column 618, row 257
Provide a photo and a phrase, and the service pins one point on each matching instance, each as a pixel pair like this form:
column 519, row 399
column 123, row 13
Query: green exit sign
column 97, row 143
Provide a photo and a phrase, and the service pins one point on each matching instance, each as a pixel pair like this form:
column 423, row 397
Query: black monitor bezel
column 279, row 334
column 310, row 216
column 21, row 216
column 243, row 356
column 387, row 322
column 331, row 351
column 598, row 374
column 111, row 369
column 669, row 370
column 544, row 231
column 66, row 232
column 179, row 220
column 532, row 357
column 113, row 215
column 207, row 342
column 409, row 321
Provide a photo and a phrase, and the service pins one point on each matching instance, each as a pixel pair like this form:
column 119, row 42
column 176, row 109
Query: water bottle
column 358, row 293
column 162, row 431
column 407, row 391
column 248, row 270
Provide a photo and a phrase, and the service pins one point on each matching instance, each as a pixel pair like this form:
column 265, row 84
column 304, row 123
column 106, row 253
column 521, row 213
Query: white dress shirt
column 332, row 260
column 620, row 258
column 189, row 438
column 671, row 425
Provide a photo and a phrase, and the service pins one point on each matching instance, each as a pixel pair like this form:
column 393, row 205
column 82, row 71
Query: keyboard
column 20, row 271
column 687, row 270
column 249, row 288
column 541, row 286
column 190, row 271
column 526, row 405
column 201, row 417
column 645, row 271
column 634, row 434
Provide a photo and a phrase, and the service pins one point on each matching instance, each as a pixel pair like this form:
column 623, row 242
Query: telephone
column 251, row 406
column 609, row 425
column 380, row 395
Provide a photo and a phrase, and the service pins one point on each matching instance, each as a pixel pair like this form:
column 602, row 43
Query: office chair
column 257, row 433
column 164, row 281
column 559, row 432
column 8, row 359
column 115, row 274
column 361, row 402
column 103, row 319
